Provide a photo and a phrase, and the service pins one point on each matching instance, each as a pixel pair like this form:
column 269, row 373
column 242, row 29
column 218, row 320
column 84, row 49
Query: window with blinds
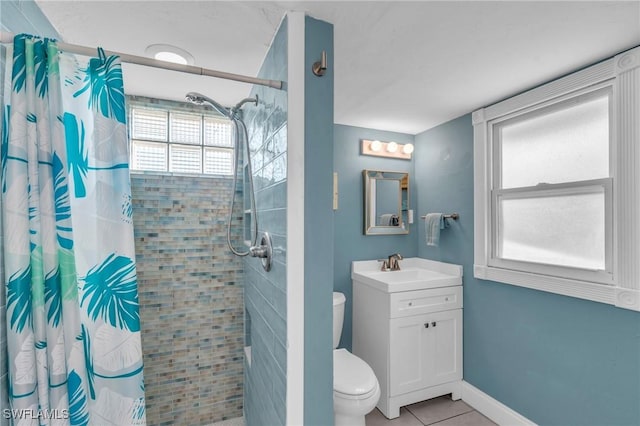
column 165, row 140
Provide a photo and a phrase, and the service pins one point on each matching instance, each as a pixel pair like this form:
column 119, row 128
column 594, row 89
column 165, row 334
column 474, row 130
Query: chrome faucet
column 393, row 263
column 385, row 265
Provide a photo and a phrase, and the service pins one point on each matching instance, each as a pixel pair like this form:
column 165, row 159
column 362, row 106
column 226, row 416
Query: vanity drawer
column 424, row 301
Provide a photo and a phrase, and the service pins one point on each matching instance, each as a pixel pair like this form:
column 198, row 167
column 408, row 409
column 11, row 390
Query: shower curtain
column 73, row 327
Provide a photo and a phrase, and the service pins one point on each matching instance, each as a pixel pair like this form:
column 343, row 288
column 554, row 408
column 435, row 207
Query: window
column 551, row 198
column 171, row 140
column 556, row 202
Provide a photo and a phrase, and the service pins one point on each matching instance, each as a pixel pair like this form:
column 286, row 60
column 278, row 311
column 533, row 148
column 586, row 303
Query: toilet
column 355, row 387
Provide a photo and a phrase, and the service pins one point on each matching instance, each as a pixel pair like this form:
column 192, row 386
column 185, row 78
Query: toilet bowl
column 355, row 387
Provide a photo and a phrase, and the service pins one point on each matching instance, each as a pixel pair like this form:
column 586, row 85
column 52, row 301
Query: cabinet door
column 426, row 350
column 446, row 353
column 408, row 350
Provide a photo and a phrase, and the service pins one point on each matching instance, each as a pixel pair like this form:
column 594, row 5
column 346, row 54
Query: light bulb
column 171, row 57
column 392, row 147
column 408, row 148
column 375, row 146
column 170, row 53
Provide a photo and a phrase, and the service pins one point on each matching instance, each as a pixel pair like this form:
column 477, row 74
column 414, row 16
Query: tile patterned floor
column 440, row 411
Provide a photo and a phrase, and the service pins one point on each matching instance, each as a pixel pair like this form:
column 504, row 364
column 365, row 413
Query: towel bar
column 453, row 216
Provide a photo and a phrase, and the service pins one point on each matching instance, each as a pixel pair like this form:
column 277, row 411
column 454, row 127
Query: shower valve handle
column 264, row 251
column 258, row 251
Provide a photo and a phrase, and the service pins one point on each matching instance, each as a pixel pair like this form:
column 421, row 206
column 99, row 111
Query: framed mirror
column 386, row 202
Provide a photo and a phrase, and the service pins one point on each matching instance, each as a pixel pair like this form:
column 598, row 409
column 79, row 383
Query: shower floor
column 239, row 421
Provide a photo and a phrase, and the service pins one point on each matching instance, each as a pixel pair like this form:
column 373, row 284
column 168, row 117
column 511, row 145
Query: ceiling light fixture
column 386, row 149
column 170, row 53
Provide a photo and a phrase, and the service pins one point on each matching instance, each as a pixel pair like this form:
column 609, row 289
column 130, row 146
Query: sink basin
column 414, row 274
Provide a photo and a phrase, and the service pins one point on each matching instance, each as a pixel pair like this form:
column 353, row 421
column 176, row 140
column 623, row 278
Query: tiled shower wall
column 266, row 292
column 191, row 298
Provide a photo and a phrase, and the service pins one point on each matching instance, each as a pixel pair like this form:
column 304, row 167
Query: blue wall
column 318, row 228
column 265, row 292
column 554, row 359
column 24, row 16
column 349, row 242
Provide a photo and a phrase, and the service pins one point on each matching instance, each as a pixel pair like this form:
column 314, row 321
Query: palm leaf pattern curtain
column 73, row 326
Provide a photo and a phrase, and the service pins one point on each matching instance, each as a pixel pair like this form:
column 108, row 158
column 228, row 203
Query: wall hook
column 320, row 67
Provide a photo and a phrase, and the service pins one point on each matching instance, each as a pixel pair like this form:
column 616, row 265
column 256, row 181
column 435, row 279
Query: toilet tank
column 338, row 317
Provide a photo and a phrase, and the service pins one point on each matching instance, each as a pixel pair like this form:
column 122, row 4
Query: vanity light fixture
column 386, row 149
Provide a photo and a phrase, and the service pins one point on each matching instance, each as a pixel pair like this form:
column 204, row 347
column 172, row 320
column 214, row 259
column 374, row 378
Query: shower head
column 199, row 99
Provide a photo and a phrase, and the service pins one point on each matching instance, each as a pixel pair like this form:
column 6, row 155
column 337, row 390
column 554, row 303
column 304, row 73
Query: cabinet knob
column 426, row 325
column 433, row 323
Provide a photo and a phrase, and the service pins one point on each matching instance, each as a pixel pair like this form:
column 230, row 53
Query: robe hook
column 320, row 67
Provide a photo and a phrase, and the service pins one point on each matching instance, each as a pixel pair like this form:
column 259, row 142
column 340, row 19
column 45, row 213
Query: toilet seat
column 352, row 377
column 340, row 395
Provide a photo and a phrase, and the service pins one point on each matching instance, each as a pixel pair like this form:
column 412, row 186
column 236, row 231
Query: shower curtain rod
column 6, row 37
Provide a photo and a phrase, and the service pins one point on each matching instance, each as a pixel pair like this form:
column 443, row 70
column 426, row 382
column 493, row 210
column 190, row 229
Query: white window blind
column 166, row 140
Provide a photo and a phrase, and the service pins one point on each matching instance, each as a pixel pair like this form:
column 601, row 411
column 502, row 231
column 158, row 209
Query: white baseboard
column 492, row 408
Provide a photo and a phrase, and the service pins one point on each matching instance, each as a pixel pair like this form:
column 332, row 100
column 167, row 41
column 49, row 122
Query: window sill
column 179, row 174
column 610, row 294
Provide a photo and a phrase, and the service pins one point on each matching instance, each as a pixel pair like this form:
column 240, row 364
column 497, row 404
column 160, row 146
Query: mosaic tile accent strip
column 191, row 298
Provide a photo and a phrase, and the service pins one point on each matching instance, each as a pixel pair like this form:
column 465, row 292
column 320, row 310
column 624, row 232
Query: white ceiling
column 400, row 66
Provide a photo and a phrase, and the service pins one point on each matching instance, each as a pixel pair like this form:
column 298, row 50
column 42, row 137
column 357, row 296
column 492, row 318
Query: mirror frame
column 372, row 228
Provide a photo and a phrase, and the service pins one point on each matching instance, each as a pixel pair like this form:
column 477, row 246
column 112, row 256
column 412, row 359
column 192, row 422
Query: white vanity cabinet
column 425, row 351
column 411, row 339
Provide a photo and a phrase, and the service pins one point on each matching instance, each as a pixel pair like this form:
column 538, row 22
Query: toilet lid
column 351, row 375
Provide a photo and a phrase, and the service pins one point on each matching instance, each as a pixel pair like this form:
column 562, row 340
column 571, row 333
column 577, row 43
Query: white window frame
column 619, row 283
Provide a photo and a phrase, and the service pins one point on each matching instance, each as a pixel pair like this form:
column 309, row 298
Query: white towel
column 385, row 219
column 433, row 223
